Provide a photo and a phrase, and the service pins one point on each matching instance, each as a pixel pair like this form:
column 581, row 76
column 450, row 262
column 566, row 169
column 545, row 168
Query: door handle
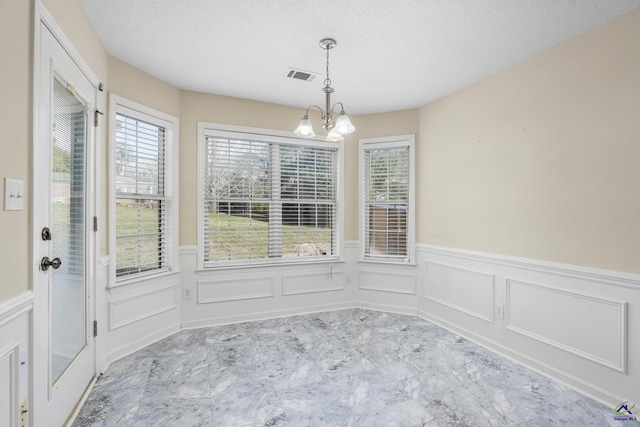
column 46, row 263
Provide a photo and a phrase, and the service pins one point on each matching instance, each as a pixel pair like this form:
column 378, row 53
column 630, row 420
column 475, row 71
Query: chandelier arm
column 315, row 106
column 334, row 106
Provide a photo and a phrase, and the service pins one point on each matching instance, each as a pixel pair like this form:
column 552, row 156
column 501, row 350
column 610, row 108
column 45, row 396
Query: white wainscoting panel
column 469, row 291
column 9, row 399
column 234, row 289
column 387, row 280
column 14, row 338
column 238, row 294
column 594, row 328
column 140, row 314
column 305, row 283
column 579, row 325
column 126, row 311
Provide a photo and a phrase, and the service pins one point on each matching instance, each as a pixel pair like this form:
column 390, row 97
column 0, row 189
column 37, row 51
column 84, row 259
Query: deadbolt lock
column 46, row 234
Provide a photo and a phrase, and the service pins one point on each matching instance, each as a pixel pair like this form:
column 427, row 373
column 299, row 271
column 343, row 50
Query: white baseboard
column 147, row 340
column 387, row 308
column 226, row 320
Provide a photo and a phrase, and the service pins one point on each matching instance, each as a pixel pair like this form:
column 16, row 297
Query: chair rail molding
column 16, row 306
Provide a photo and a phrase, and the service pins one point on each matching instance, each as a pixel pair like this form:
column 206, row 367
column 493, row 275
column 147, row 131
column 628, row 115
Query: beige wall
column 76, row 26
column 541, row 160
column 371, row 126
column 16, row 32
column 538, row 161
column 138, row 86
column 16, row 106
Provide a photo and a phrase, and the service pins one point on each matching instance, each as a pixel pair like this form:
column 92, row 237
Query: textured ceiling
column 391, row 54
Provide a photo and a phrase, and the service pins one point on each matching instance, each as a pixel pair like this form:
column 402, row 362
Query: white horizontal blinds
column 237, row 193
column 386, row 201
column 67, row 224
column 68, row 176
column 308, row 177
column 141, row 211
column 268, row 200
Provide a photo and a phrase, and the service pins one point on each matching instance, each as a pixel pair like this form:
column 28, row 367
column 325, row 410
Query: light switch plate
column 13, row 194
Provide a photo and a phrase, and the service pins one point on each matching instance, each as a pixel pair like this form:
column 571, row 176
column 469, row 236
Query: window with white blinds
column 140, row 210
column 267, row 199
column 387, row 199
column 142, row 189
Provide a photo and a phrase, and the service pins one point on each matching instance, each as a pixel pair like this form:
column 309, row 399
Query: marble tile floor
column 341, row 368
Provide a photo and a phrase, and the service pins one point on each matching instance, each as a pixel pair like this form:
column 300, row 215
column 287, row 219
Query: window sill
column 282, row 264
column 141, row 280
column 386, row 262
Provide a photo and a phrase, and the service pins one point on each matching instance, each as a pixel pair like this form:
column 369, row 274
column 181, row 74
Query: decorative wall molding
column 381, row 280
column 146, row 283
column 211, row 291
column 560, row 318
column 16, row 306
column 351, row 244
column 188, row 250
column 9, row 390
column 295, row 284
column 15, row 337
column 135, row 308
column 468, row 291
column 572, row 323
column 606, row 277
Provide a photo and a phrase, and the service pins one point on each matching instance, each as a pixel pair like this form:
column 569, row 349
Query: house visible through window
column 387, row 198
column 142, row 196
column 267, row 198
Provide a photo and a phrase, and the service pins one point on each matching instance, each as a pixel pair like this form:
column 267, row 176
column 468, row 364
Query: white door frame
column 42, row 16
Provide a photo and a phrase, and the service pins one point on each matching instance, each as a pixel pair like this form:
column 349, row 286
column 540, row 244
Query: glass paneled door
column 63, row 242
column 67, row 219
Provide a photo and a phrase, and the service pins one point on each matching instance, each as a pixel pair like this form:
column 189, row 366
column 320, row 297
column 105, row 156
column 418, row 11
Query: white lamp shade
column 304, row 128
column 343, row 124
column 334, row 136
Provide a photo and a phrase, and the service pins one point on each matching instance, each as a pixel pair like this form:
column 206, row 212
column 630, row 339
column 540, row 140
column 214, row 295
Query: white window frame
column 171, row 124
column 276, row 136
column 382, row 143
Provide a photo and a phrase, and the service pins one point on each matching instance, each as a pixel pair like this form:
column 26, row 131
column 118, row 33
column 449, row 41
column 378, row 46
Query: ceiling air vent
column 306, row 76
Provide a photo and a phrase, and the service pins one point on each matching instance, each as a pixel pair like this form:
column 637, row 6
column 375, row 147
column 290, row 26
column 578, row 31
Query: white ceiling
column 391, row 54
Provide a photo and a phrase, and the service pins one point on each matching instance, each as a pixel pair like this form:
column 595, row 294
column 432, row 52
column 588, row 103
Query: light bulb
column 334, row 136
column 343, row 124
column 304, row 128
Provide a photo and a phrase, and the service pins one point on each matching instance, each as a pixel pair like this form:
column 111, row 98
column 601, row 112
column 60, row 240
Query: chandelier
column 335, row 125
